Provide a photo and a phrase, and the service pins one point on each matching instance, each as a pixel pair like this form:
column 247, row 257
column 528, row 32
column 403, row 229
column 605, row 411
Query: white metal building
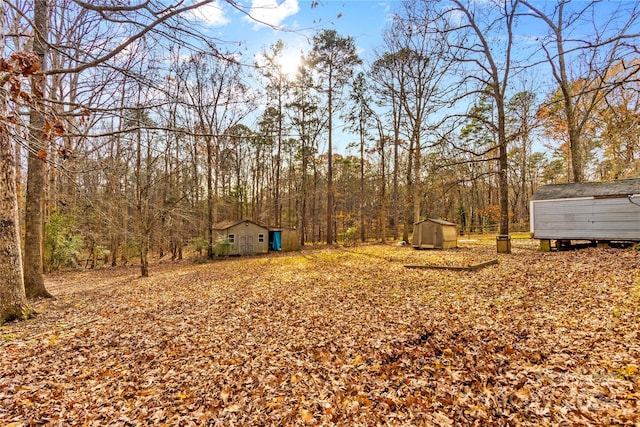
column 596, row 211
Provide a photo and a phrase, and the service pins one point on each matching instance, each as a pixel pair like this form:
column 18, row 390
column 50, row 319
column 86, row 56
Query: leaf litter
column 334, row 336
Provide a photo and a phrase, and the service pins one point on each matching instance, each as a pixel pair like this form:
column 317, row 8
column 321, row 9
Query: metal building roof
column 617, row 188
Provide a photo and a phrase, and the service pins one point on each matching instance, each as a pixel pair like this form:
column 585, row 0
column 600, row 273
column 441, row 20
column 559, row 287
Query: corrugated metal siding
column 585, row 219
column 620, row 187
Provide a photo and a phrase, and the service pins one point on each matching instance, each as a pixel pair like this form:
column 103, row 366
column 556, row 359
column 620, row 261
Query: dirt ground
column 335, row 336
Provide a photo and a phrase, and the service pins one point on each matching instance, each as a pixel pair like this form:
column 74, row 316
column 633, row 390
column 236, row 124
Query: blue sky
column 365, row 20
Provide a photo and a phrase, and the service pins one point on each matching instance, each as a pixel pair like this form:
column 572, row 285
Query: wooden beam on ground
column 472, row 267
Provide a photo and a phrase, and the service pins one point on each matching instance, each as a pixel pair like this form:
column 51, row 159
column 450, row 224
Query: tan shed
column 283, row 239
column 290, row 240
column 434, row 234
column 244, row 237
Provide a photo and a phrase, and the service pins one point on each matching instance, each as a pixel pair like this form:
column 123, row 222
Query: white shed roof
column 617, row 188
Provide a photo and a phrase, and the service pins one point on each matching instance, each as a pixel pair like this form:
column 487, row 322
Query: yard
column 335, row 336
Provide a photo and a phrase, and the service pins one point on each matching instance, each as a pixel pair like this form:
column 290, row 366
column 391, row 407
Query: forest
column 128, row 130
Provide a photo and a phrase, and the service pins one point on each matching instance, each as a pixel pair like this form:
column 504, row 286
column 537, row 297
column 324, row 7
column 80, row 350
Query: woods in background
column 135, row 131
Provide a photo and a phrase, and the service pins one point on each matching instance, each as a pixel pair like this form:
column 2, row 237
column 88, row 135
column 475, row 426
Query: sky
column 364, row 20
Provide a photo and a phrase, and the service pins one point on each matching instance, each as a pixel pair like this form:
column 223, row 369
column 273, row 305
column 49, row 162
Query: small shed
column 283, row 239
column 434, row 234
column 244, row 237
column 596, row 211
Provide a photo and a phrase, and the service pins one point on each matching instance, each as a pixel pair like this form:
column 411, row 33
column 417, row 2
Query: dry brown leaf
column 334, row 337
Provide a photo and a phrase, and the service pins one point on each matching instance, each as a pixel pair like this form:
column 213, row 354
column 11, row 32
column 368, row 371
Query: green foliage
column 351, row 236
column 8, row 337
column 100, row 253
column 129, row 250
column 199, row 244
column 222, row 247
column 61, row 244
column 479, row 130
column 22, row 313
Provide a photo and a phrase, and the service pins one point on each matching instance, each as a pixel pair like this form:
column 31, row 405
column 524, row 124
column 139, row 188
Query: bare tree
column 139, row 19
column 34, row 216
column 277, row 87
column 13, row 302
column 360, row 116
column 619, row 127
column 485, row 66
column 522, row 123
column 388, row 78
column 411, row 75
column 219, row 99
column 333, row 58
column 581, row 65
column 306, row 120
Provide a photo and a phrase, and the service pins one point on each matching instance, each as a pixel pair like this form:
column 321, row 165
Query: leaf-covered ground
column 335, row 336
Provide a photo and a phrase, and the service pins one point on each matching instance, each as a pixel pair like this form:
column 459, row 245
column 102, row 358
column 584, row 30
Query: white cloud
column 211, row 14
column 273, row 12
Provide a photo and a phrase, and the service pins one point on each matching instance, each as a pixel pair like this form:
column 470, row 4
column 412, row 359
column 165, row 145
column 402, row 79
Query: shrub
column 351, row 236
column 199, row 244
column 222, row 247
column 61, row 245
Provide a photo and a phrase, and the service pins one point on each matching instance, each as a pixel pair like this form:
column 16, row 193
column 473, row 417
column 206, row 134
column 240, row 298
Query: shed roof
column 617, row 188
column 225, row 225
column 437, row 221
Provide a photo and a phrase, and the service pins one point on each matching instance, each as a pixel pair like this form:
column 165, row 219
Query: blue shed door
column 275, row 240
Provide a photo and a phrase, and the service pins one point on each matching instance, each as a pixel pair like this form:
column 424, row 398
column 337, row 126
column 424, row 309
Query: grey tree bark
column 13, row 301
column 34, row 216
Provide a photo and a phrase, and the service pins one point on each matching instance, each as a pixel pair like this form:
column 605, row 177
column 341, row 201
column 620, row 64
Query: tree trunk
column 302, row 215
column 330, row 168
column 277, row 217
column 396, row 172
column 504, row 191
column 383, row 187
column 362, row 196
column 417, row 184
column 142, row 196
column 13, row 302
column 34, row 215
column 524, row 198
column 33, row 259
column 409, row 191
column 210, row 207
column 144, row 253
column 503, row 166
column 315, row 208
